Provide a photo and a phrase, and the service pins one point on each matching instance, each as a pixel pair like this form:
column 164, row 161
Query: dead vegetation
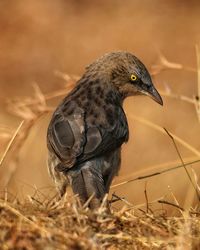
column 40, row 222
column 66, row 225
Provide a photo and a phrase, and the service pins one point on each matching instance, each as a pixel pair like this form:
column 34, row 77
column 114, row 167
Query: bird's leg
column 88, row 183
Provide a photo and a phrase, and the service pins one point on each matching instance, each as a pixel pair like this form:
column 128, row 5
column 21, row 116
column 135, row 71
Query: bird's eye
column 133, row 78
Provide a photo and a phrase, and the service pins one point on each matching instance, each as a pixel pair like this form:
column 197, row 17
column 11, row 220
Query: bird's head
column 128, row 74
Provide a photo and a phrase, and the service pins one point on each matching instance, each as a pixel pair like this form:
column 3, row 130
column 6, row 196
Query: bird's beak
column 153, row 93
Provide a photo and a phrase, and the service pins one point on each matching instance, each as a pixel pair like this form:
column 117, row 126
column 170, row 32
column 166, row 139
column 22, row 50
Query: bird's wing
column 74, row 141
column 66, row 135
column 103, row 139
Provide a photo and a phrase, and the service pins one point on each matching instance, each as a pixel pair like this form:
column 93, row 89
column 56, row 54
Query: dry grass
column 38, row 224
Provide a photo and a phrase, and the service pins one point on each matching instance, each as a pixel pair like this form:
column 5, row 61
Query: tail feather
column 89, row 182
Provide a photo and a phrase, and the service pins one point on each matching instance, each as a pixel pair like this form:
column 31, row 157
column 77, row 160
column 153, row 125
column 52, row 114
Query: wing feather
column 66, row 135
column 74, row 141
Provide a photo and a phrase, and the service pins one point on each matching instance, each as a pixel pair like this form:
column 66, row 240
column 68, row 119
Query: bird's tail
column 88, row 183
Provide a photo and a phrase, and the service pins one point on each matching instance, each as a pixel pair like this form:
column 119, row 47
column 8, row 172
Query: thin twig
column 49, row 96
column 188, row 174
column 118, row 198
column 165, row 64
column 178, row 97
column 146, row 198
column 197, row 101
column 154, row 174
column 11, row 142
column 160, row 129
column 171, row 204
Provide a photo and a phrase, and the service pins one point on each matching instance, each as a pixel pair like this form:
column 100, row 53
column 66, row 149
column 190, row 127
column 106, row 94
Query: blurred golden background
column 40, row 38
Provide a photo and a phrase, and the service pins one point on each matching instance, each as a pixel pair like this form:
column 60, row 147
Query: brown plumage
column 87, row 129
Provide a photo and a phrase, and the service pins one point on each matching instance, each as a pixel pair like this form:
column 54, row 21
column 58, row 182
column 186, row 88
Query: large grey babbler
column 87, row 129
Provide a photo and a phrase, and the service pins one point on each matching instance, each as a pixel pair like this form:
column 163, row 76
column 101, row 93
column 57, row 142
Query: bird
column 89, row 126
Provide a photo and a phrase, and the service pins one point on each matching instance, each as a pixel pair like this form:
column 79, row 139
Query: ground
column 49, row 224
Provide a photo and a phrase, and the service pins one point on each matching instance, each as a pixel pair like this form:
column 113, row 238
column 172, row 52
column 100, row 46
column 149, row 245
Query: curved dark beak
column 153, row 93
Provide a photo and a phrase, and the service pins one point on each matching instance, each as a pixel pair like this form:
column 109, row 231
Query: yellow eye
column 133, row 77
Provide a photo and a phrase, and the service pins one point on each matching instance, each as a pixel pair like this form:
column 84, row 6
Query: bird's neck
column 97, row 87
